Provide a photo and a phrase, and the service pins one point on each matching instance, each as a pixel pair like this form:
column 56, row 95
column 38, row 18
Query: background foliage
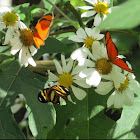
column 89, row 117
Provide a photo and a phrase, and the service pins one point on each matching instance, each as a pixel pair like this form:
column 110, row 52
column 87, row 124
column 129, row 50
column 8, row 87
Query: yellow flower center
column 124, row 85
column 89, row 41
column 103, row 66
column 26, row 37
column 101, row 7
column 65, row 79
column 10, row 18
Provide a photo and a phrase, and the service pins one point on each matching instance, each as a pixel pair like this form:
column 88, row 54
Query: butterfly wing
column 37, row 40
column 120, row 63
column 113, row 54
column 111, row 49
column 42, row 28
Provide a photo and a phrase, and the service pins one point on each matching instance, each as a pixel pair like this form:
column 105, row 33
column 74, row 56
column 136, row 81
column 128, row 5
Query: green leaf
column 53, row 45
column 124, row 16
column 83, row 120
column 8, row 126
column 128, row 126
column 6, row 62
column 48, row 6
column 22, row 81
column 124, row 43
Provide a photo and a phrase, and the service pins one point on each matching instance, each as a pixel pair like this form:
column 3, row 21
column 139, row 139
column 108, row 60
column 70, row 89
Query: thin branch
column 126, row 32
column 71, row 21
column 11, row 84
column 75, row 13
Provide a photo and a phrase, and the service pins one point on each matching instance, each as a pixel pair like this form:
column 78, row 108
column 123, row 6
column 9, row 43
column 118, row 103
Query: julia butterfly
column 41, row 31
column 113, row 54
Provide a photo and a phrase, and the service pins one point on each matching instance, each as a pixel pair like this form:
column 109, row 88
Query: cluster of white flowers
column 88, row 65
column 18, row 36
column 93, row 66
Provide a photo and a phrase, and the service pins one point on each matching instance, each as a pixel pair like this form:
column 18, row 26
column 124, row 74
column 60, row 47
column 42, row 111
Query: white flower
column 99, row 67
column 87, row 36
column 22, row 41
column 68, row 77
column 123, row 95
column 9, row 20
column 101, row 7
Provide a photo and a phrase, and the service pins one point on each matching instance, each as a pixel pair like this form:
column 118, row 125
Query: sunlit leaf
column 123, row 16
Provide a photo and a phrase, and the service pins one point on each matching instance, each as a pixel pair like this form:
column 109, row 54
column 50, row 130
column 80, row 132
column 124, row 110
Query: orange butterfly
column 41, row 31
column 113, row 54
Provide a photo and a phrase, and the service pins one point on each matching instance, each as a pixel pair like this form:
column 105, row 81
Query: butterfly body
column 113, row 54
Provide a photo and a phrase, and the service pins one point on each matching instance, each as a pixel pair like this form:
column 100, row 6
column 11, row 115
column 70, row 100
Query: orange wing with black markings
column 113, row 54
column 42, row 28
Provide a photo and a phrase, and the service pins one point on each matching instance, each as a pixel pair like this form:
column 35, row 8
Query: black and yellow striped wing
column 53, row 94
column 61, row 91
column 48, row 95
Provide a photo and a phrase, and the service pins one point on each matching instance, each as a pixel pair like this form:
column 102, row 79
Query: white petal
column 63, row 62
column 76, row 38
column 80, row 54
column 97, row 20
column 88, row 63
column 88, row 13
column 88, row 31
column 70, row 99
column 81, row 33
column 91, row 1
column 5, row 9
column 9, row 35
column 79, row 93
column 129, row 65
column 62, row 101
column 77, row 69
column 98, row 50
column 75, row 54
column 58, row 66
column 129, row 97
column 81, row 61
column 107, row 1
column 100, row 36
column 2, row 26
column 104, row 16
column 51, row 76
column 134, row 85
column 130, row 76
column 95, row 32
column 82, row 83
column 85, row 7
column 86, row 72
column 69, row 65
column 111, row 99
column 94, row 79
column 22, row 25
column 15, row 40
column 15, row 48
column 31, row 61
column 117, row 77
column 118, row 102
column 76, row 77
column 33, row 50
column 104, row 87
column 23, row 56
column 87, row 51
column 109, row 10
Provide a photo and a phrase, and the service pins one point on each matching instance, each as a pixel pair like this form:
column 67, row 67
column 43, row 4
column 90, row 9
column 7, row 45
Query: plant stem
column 11, row 84
column 71, row 21
column 76, row 14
